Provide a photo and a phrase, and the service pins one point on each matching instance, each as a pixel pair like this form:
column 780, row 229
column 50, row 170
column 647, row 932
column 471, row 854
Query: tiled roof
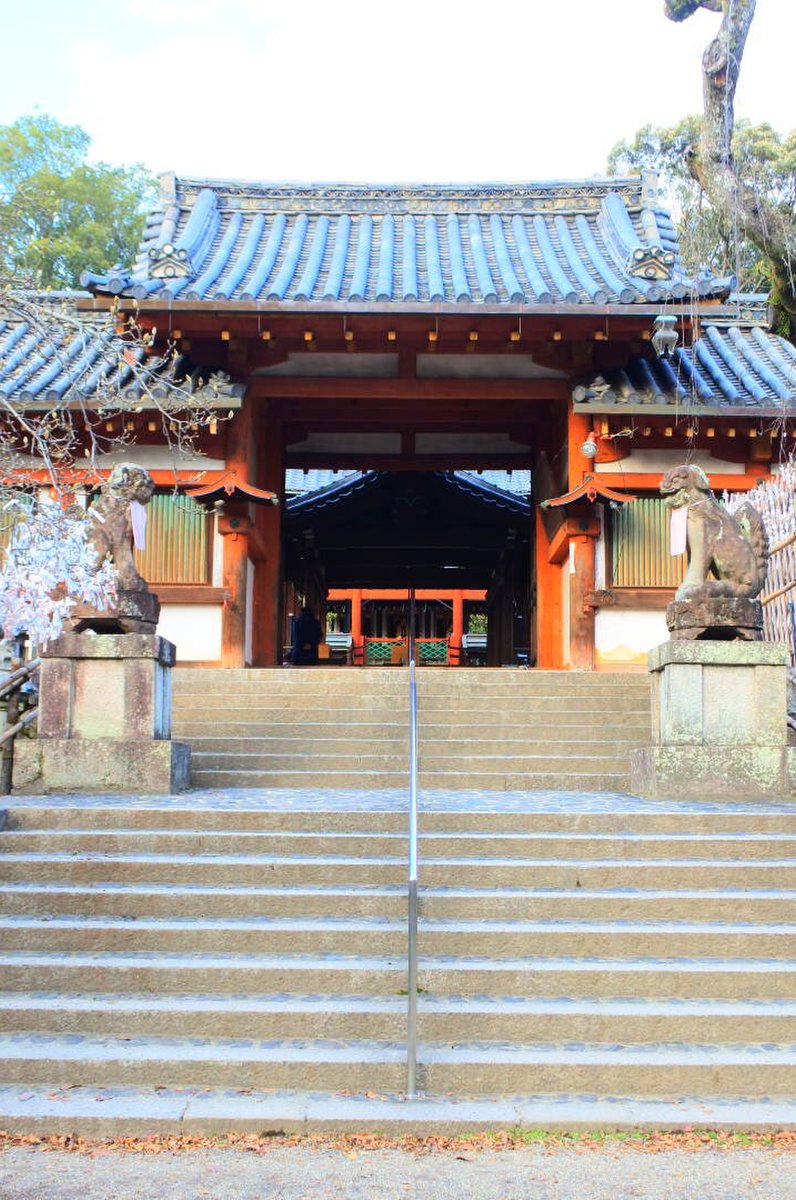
column 468, row 482
column 51, row 354
column 299, row 482
column 593, row 242
column 728, row 369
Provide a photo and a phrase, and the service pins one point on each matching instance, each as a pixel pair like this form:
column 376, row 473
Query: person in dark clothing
column 307, row 635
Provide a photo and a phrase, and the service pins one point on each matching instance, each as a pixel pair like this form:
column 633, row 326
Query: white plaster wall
column 218, row 556
column 600, row 549
column 195, row 630
column 625, row 635
column 657, row 462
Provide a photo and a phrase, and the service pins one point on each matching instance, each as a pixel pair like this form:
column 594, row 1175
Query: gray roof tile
column 591, row 242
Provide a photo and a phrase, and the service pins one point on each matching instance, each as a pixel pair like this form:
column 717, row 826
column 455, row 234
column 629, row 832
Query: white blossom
column 50, row 567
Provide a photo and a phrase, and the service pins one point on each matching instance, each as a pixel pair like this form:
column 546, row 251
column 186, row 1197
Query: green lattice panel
column 432, row 653
column 379, row 653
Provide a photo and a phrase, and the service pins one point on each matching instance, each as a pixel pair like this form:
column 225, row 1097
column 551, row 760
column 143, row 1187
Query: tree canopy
column 752, row 196
column 59, row 213
column 765, row 162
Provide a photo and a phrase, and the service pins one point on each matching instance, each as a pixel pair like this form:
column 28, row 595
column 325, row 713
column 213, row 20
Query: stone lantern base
column 719, row 729
column 105, row 718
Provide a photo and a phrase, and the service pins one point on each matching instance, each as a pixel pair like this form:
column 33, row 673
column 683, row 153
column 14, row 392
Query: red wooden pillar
column 234, row 526
column 458, row 628
column 581, row 614
column 549, row 602
column 584, row 532
column 267, row 632
column 357, row 644
column 579, row 427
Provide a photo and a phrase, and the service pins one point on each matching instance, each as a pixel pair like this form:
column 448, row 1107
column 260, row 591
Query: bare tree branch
column 743, row 210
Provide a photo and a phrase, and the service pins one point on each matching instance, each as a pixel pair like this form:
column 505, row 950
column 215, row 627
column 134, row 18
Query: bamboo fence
column 775, row 500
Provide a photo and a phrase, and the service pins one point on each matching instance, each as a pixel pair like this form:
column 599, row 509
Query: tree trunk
column 742, row 211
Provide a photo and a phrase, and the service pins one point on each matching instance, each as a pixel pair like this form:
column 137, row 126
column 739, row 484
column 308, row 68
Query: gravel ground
column 306, row 1173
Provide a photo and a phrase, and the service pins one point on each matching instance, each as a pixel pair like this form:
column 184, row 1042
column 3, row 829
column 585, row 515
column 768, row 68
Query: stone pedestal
column 133, row 612
column 105, row 718
column 716, row 618
column 719, row 728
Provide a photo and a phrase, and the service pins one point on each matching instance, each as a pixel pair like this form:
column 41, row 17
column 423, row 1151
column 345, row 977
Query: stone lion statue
column 112, row 523
column 733, row 548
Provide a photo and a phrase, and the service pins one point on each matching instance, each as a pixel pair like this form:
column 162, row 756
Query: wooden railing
column 11, row 692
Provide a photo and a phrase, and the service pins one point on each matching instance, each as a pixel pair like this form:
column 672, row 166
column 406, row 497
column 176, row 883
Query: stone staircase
column 237, row 961
column 347, row 728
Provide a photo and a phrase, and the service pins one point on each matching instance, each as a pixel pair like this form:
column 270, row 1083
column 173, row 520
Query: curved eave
column 684, row 308
column 688, row 408
column 232, row 489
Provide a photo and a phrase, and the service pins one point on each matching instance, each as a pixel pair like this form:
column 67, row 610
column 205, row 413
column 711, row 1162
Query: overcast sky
column 348, row 90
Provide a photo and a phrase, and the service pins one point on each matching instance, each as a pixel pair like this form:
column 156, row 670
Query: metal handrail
column 411, row 958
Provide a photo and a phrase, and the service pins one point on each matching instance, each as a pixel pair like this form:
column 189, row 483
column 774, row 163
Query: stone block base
column 739, row 772
column 102, row 765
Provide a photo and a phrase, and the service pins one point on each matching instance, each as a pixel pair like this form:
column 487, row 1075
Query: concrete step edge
column 75, row 1047
column 360, row 924
column 105, row 1111
column 487, row 1004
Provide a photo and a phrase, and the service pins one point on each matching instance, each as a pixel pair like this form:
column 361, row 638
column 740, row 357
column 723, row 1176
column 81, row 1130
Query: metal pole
column 411, row 985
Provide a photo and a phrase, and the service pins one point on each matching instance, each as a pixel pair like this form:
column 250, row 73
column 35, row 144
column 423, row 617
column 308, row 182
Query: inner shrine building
column 472, row 391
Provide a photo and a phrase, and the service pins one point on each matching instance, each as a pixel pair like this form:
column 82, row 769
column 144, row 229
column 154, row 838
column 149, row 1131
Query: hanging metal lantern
column 665, row 336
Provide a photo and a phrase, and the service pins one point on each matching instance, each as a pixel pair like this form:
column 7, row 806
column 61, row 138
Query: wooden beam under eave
column 364, row 460
column 573, row 527
column 335, row 388
column 649, row 482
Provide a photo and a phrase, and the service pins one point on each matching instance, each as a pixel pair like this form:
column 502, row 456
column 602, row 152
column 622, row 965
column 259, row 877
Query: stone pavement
column 307, row 1173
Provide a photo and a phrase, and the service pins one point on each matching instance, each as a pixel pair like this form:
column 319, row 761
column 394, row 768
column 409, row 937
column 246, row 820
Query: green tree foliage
column 764, row 161
column 60, row 214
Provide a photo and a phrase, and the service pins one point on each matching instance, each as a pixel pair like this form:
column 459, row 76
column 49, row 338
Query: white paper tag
column 138, row 517
column 678, row 531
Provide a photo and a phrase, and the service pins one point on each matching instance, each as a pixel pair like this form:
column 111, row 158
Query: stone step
column 489, row 815
column 109, row 1112
column 469, row 708
column 356, row 1065
column 196, row 900
column 455, row 781
column 375, row 678
column 379, row 935
column 300, row 742
column 431, row 762
column 745, row 1069
column 348, row 708
column 159, row 973
column 373, row 760
column 329, row 738
column 545, row 845
column 191, row 1062
column 297, row 780
column 130, row 1112
column 116, row 971
column 218, row 869
column 440, row 1018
